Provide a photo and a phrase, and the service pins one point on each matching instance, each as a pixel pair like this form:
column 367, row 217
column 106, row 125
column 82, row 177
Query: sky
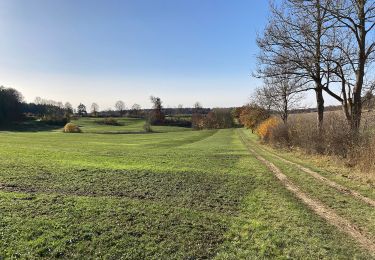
column 107, row 50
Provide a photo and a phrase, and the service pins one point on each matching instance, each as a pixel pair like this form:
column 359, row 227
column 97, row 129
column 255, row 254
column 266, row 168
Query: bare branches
column 280, row 94
column 323, row 43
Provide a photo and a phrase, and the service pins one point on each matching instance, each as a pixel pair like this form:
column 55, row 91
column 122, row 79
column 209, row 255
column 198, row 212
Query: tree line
column 13, row 108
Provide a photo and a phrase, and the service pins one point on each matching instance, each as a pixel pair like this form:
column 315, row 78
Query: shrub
column 252, row 115
column 280, row 135
column 365, row 154
column 54, row 120
column 71, row 128
column 217, row 118
column 147, row 127
column 108, row 121
column 336, row 140
column 172, row 122
column 265, row 128
column 197, row 121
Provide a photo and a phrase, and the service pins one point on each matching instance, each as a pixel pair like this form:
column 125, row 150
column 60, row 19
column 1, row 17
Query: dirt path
column 330, row 183
column 318, row 207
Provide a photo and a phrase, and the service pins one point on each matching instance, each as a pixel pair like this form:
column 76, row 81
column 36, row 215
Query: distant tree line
column 13, row 108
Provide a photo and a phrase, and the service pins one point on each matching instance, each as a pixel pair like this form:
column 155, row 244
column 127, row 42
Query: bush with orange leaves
column 252, row 115
column 264, row 130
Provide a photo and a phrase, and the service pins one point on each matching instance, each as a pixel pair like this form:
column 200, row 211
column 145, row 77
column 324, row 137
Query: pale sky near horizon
column 107, row 50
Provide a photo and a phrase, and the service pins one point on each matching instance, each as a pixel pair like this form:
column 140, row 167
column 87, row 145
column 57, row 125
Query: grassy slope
column 164, row 195
column 127, row 125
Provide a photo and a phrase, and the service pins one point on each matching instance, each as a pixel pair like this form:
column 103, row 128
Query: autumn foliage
column 217, row 118
column 264, row 130
column 71, row 128
column 251, row 116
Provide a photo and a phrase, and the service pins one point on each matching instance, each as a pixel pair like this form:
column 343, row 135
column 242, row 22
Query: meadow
column 116, row 192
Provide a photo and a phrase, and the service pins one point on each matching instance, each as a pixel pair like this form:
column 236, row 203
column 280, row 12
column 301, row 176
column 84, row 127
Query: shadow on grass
column 29, row 126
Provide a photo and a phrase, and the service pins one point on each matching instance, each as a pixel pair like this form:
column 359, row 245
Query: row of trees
column 13, row 108
column 319, row 45
column 81, row 109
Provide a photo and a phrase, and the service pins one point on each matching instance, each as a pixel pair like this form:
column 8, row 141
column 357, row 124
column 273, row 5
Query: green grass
column 170, row 195
column 126, row 126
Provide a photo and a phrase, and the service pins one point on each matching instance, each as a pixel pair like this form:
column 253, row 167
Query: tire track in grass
column 325, row 180
column 318, row 207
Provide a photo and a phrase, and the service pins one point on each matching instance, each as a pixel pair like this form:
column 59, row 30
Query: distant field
column 175, row 194
column 126, row 125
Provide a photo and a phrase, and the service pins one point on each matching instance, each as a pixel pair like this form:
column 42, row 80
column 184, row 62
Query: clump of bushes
column 335, row 139
column 215, row 119
column 170, row 122
column 251, row 116
column 71, row 128
column 109, row 121
column 147, row 127
column 365, row 154
column 266, row 129
column 57, row 120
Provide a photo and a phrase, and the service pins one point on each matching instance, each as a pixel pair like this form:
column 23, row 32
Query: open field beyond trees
column 171, row 194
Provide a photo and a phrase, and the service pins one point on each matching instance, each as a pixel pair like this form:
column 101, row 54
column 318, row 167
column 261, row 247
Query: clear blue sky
column 102, row 51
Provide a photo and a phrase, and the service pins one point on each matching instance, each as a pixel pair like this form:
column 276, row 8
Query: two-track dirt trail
column 314, row 204
column 323, row 179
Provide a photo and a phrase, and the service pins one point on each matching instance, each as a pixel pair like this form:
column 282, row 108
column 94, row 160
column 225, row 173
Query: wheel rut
column 329, row 182
column 317, row 206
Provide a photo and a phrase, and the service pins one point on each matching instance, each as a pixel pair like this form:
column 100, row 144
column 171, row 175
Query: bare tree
column 263, row 97
column 355, row 20
column 68, row 110
column 136, row 109
column 295, row 43
column 120, row 106
column 197, row 108
column 94, row 109
column 38, row 100
column 68, row 106
column 180, row 109
column 157, row 115
column 280, row 95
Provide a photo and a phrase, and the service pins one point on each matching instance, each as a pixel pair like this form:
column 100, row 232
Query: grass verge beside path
column 356, row 211
column 325, row 166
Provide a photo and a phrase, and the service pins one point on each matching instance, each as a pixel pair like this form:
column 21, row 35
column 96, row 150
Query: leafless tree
column 280, row 94
column 263, row 97
column 295, row 42
column 94, row 108
column 38, row 100
column 69, row 109
column 120, row 106
column 354, row 49
column 136, row 109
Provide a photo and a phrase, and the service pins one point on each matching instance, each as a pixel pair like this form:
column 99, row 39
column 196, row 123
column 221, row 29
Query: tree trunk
column 357, row 109
column 320, row 107
column 357, row 91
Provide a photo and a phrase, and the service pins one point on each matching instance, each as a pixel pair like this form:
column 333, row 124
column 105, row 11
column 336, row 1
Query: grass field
column 126, row 126
column 172, row 194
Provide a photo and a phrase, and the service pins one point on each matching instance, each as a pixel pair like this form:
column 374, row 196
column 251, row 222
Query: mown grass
column 126, row 126
column 172, row 195
column 357, row 211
